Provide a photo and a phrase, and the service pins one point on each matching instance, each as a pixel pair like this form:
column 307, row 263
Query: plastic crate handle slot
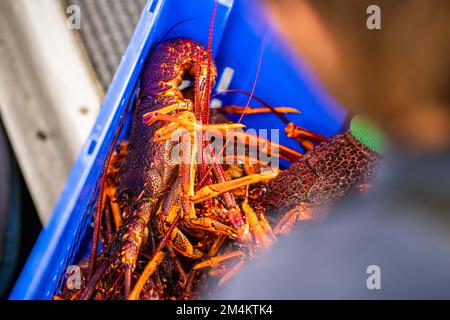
column 91, row 147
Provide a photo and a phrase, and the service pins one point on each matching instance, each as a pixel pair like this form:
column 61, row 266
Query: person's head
column 398, row 75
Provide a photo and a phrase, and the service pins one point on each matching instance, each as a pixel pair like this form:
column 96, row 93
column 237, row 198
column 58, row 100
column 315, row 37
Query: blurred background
column 44, row 66
column 53, row 76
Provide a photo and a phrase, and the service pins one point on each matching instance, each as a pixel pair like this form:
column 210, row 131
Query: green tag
column 368, row 134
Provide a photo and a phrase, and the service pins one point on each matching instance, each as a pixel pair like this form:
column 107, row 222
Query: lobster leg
column 212, row 225
column 211, row 191
column 175, row 123
column 267, row 146
column 216, row 246
column 133, row 238
column 243, row 159
column 187, row 174
column 115, row 209
column 232, row 109
column 215, row 261
column 263, row 236
column 202, row 223
column 305, row 137
column 178, row 266
column 182, row 244
column 294, row 131
column 191, row 125
column 262, row 233
column 231, row 273
column 169, row 211
column 267, row 227
column 302, row 212
column 146, row 274
column 98, row 213
column 218, row 271
column 150, row 117
column 287, row 153
column 185, row 182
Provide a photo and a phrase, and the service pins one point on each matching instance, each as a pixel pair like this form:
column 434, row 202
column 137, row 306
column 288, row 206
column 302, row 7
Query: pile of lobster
column 176, row 217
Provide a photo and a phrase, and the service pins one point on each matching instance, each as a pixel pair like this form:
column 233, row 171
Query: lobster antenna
column 205, row 111
column 245, row 109
column 197, row 97
column 258, row 69
column 203, row 102
column 98, row 212
column 166, row 34
column 253, row 96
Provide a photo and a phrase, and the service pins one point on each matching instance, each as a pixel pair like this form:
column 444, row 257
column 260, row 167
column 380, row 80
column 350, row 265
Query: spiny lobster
column 326, row 173
column 154, row 192
column 151, row 182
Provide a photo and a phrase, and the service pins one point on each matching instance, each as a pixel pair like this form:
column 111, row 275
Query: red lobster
column 150, row 181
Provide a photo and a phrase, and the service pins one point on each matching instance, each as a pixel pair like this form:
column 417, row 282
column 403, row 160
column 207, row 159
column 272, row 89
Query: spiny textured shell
column 324, row 174
column 148, row 165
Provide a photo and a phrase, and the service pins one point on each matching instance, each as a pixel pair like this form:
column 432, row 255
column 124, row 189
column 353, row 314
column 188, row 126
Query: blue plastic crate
column 239, row 36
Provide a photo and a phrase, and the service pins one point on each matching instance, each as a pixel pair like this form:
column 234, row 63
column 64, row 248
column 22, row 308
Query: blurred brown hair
column 393, row 73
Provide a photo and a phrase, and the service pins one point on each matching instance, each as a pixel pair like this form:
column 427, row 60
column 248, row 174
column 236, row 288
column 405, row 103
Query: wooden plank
column 49, row 96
